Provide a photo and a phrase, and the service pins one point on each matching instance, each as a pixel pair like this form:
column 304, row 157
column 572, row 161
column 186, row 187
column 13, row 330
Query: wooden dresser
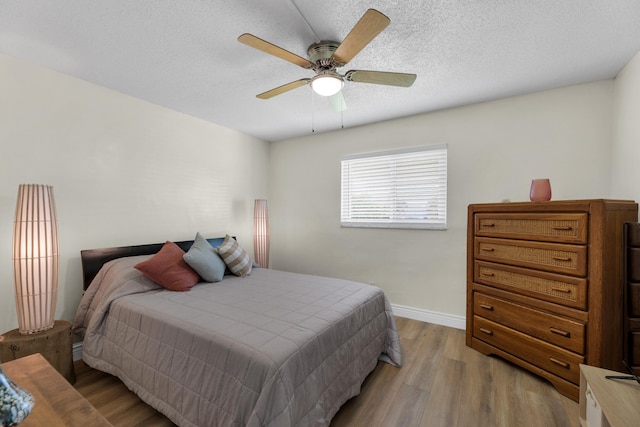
column 632, row 296
column 545, row 285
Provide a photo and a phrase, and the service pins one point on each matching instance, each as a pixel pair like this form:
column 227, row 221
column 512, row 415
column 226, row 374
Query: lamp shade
column 35, row 258
column 327, row 84
column 261, row 233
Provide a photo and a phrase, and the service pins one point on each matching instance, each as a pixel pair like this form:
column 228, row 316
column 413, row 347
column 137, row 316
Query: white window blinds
column 396, row 189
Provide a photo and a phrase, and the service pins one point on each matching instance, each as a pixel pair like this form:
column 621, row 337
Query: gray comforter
column 272, row 349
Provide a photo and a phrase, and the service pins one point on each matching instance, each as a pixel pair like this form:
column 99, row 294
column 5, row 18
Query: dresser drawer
column 566, row 228
column 554, row 257
column 633, row 299
column 563, row 332
column 556, row 288
column 547, row 356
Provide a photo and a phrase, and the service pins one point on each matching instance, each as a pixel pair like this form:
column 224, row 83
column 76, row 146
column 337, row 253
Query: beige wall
column 127, row 172
column 495, row 149
column 626, row 132
column 124, row 172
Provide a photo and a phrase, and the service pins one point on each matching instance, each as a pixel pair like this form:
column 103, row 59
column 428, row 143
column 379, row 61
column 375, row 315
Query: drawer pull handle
column 487, row 249
column 486, row 331
column 566, row 291
column 561, row 258
column 562, row 227
column 484, row 273
column 487, row 224
column 559, row 332
column 486, row 307
column 560, row 362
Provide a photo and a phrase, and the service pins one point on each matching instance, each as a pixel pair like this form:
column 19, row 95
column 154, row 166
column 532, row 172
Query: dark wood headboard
column 94, row 259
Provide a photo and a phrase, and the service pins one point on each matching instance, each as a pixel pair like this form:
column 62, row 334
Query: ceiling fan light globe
column 326, row 85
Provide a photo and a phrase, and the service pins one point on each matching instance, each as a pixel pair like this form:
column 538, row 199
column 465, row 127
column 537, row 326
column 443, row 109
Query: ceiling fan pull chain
column 313, row 112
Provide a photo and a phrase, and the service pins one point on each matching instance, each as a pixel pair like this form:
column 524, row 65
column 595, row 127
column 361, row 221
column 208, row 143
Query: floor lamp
column 261, row 233
column 35, row 258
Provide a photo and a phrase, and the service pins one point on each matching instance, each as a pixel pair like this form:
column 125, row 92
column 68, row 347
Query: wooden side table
column 57, row 403
column 55, row 345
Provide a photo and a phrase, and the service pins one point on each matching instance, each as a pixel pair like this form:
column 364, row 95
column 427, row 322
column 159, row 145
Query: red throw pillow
column 168, row 269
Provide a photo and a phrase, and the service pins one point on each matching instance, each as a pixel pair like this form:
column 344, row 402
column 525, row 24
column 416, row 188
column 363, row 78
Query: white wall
column 626, row 132
column 124, row 172
column 495, row 149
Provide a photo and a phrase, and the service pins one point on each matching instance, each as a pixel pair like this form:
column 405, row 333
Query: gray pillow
column 204, row 259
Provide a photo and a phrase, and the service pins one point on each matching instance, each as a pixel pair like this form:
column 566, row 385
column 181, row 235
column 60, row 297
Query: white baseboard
column 76, row 350
column 450, row 320
column 458, row 322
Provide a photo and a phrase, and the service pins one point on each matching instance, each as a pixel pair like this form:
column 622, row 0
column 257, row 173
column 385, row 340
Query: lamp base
column 37, row 331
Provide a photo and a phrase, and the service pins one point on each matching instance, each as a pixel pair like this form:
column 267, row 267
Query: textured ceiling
column 184, row 55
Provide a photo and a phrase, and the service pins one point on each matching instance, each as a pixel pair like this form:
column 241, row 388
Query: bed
column 269, row 349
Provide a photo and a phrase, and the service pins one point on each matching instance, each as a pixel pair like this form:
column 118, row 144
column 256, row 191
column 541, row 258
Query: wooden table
column 57, row 403
column 54, row 344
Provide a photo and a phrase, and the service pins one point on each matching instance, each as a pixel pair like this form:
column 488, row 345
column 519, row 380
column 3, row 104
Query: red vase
column 540, row 190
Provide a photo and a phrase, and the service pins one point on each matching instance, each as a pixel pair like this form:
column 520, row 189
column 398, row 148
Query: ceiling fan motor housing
column 321, row 54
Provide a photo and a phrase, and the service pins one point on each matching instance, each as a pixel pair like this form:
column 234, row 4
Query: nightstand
column 57, row 403
column 54, row 344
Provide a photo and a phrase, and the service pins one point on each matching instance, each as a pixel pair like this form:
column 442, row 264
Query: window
column 396, row 189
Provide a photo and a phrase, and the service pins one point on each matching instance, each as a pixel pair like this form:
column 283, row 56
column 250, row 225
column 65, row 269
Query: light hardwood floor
column 442, row 383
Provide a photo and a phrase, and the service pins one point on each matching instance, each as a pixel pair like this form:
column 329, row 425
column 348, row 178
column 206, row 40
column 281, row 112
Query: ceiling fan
column 326, row 57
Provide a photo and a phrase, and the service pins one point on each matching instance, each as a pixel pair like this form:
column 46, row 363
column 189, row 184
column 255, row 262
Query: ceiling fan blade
column 282, row 89
column 272, row 49
column 380, row 78
column 367, row 28
column 337, row 102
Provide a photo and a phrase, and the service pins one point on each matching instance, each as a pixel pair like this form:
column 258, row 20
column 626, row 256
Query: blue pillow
column 204, row 259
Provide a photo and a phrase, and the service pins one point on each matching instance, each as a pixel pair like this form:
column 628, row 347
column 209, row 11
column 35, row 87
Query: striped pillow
column 235, row 257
